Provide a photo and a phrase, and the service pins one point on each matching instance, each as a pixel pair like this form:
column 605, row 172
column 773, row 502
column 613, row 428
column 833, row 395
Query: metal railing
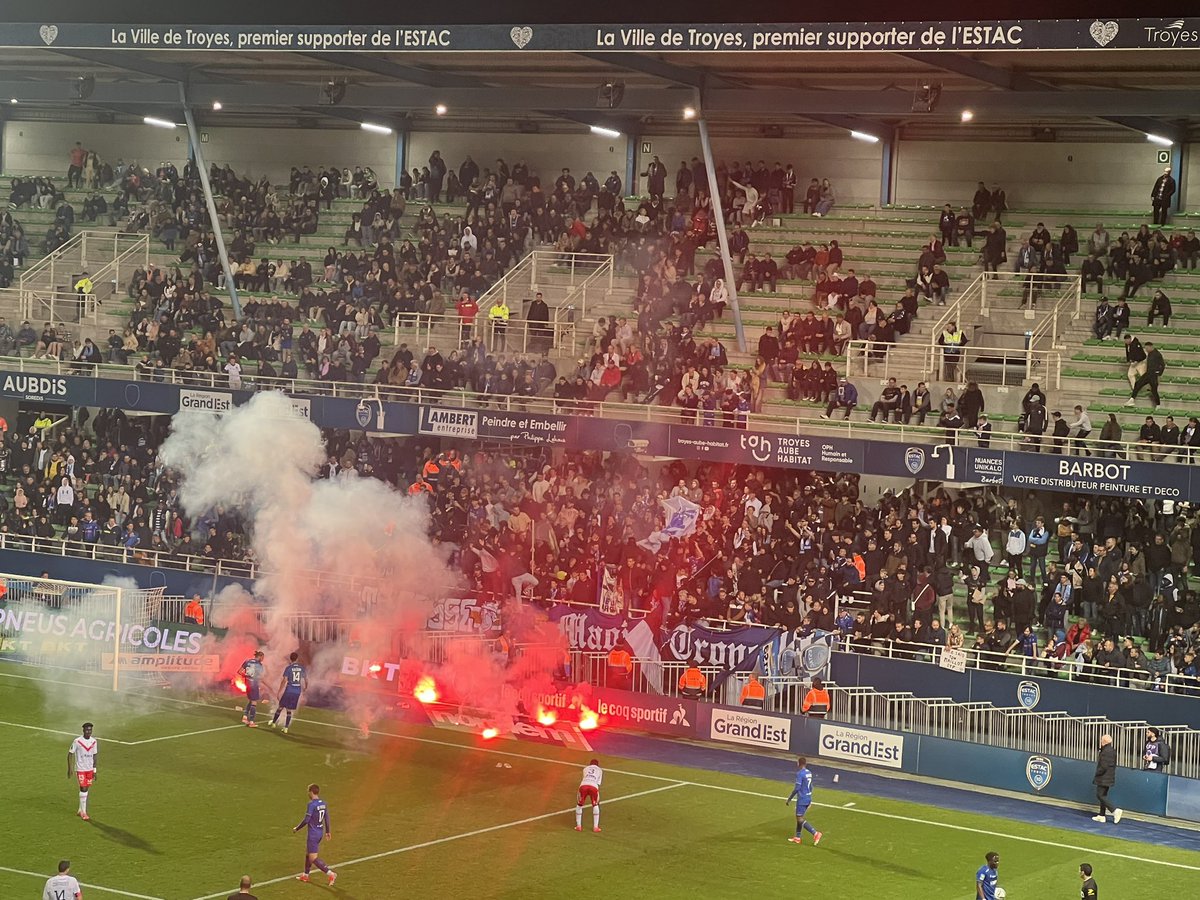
column 59, row 306
column 599, row 281
column 107, row 256
column 809, row 426
column 85, row 249
column 1012, row 290
column 965, row 307
column 111, row 276
column 564, row 278
column 1049, row 732
column 514, row 336
column 1019, row 664
column 925, row 362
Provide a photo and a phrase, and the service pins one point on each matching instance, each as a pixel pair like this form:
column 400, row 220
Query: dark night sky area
column 307, row 12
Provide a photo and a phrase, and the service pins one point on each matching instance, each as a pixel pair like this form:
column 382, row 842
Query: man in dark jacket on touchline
column 1105, row 778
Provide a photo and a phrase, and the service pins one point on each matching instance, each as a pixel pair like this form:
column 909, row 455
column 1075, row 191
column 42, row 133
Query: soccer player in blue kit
column 291, row 686
column 987, row 877
column 316, row 819
column 252, row 671
column 803, row 794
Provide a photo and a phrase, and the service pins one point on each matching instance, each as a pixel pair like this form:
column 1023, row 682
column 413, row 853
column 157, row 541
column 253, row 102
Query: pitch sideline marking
column 456, row 837
column 399, row 737
column 108, row 740
column 90, row 887
column 174, row 737
column 676, row 782
column 952, row 827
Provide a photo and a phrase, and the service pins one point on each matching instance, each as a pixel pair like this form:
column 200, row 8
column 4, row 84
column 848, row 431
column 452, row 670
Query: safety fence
column 910, row 363
column 1029, row 731
column 1015, row 663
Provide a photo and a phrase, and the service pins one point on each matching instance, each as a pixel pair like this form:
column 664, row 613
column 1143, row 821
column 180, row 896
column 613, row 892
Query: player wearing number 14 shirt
column 82, row 758
column 293, row 683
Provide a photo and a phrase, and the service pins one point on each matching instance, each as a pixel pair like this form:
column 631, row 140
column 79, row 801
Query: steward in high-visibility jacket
column 816, row 701
column 692, row 683
column 620, row 668
column 753, row 694
column 194, row 611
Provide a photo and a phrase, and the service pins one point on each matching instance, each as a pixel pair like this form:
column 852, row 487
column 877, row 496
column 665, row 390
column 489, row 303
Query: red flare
column 588, row 719
column 546, row 716
column 426, row 690
column 490, row 732
column 375, row 668
column 239, row 683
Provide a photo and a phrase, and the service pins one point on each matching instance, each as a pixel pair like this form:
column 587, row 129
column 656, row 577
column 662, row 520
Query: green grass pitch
column 187, row 800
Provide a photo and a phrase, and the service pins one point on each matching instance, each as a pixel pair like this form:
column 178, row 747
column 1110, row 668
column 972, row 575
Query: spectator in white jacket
column 1080, row 429
column 1014, row 547
column 981, row 547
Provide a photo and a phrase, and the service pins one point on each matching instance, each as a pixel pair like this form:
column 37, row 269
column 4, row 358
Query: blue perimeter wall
column 1001, row 689
column 980, row 766
column 70, row 568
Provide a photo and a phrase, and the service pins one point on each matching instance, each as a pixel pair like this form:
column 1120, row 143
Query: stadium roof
column 1143, row 90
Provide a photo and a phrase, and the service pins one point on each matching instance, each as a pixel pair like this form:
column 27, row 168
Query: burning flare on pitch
column 426, row 690
column 490, row 732
column 240, row 683
column 546, row 716
column 588, row 719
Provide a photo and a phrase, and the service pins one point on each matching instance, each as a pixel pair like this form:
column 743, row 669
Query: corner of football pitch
column 187, row 800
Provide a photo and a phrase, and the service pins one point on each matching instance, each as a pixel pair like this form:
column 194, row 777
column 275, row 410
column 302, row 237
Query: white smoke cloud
column 319, row 542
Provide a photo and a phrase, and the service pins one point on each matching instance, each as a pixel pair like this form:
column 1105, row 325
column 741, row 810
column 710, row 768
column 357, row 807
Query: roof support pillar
column 202, row 168
column 722, row 237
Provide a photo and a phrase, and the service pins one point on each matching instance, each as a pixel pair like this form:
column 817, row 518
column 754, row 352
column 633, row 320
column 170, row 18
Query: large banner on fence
column 735, row 650
column 465, row 615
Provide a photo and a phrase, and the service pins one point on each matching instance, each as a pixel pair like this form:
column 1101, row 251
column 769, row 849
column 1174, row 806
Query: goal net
column 110, row 633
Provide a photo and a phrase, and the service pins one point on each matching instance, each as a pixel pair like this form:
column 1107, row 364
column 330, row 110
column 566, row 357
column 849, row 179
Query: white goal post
column 80, row 627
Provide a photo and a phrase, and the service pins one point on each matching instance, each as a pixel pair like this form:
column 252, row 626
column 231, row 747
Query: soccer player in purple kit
column 316, row 819
column 252, row 670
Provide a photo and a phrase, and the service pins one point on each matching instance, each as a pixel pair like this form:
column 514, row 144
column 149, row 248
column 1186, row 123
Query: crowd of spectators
column 1025, row 575
column 775, row 547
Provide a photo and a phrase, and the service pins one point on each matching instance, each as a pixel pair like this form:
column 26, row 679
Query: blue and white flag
column 805, row 656
column 679, row 520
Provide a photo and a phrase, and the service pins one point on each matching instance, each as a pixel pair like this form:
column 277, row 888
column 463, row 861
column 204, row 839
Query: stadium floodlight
column 967, row 115
column 604, row 132
column 217, row 106
column 14, row 100
column 158, row 123
column 689, row 112
column 863, row 136
column 378, row 129
column 1160, row 140
column 440, row 109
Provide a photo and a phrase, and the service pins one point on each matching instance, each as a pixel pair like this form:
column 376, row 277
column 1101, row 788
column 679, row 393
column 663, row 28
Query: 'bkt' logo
column 1038, row 771
column 914, row 459
column 1028, row 694
column 759, row 447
